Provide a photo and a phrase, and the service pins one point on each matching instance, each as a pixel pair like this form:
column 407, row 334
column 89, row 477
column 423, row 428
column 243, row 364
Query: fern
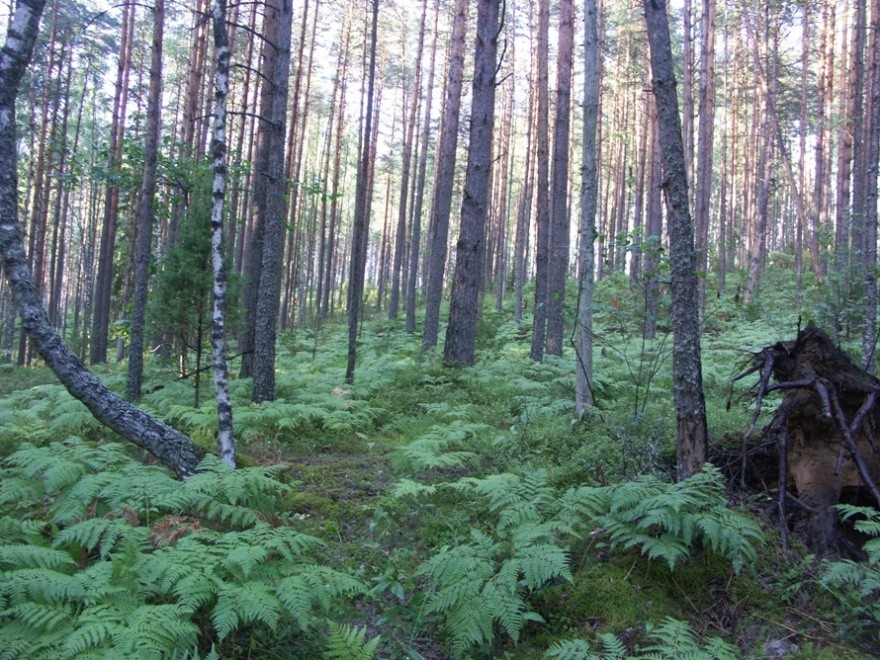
column 153, row 556
column 664, row 520
column 671, row 640
column 350, row 643
column 856, row 585
column 443, row 446
column 675, row 640
column 578, row 649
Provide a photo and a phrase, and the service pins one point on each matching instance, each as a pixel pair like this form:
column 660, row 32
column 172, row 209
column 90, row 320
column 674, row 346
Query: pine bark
column 587, row 228
column 560, row 220
column 104, row 281
column 358, row 264
column 461, row 331
column 146, row 209
column 872, row 161
column 542, row 184
column 692, row 438
column 445, row 178
column 170, row 446
column 706, row 126
column 416, row 235
column 268, row 293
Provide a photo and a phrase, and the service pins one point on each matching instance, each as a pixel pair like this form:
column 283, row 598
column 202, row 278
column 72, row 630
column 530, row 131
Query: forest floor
column 408, row 466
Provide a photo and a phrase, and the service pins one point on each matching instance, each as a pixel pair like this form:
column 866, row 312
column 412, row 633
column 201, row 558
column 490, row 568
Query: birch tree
column 225, row 438
column 168, row 445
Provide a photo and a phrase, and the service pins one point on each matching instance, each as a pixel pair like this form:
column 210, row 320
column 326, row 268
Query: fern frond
column 41, row 618
column 407, row 487
column 158, row 631
column 33, row 556
column 541, row 563
column 250, row 602
column 350, row 643
column 102, row 533
column 571, row 649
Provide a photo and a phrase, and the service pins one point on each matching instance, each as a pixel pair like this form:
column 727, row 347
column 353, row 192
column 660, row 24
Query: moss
column 607, row 597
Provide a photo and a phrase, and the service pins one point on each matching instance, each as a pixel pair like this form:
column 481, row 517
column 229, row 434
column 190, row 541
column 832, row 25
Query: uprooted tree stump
column 825, row 429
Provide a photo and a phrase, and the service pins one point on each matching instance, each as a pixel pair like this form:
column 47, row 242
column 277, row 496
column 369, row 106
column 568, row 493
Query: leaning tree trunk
column 690, row 404
column 170, row 446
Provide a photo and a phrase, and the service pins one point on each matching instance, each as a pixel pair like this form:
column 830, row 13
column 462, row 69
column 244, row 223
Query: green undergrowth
column 423, row 511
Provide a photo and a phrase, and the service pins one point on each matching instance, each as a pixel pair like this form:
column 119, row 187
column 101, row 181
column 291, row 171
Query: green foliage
column 350, row 643
column 443, row 446
column 856, row 585
column 664, row 520
column 103, row 555
column 671, row 640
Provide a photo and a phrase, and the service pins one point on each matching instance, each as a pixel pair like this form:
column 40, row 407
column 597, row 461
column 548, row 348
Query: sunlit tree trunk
column 222, row 56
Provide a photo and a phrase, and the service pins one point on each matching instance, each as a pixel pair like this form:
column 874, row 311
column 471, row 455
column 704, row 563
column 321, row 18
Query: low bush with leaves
column 104, row 556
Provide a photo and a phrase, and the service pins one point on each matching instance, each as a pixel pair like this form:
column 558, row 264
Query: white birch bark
column 225, row 436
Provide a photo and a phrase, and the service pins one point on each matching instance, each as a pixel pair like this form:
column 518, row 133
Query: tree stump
column 825, row 429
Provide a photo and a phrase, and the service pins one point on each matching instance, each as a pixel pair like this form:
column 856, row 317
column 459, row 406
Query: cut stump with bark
column 825, row 430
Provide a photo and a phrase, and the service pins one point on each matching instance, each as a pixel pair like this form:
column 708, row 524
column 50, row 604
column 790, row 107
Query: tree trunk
column 361, row 209
column 557, row 269
column 445, row 178
column 170, row 446
column 590, row 184
column 268, row 293
column 222, row 55
column 461, row 331
column 690, row 406
column 104, row 281
column 872, row 161
column 703, row 193
column 416, row 238
column 146, row 210
column 542, row 202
